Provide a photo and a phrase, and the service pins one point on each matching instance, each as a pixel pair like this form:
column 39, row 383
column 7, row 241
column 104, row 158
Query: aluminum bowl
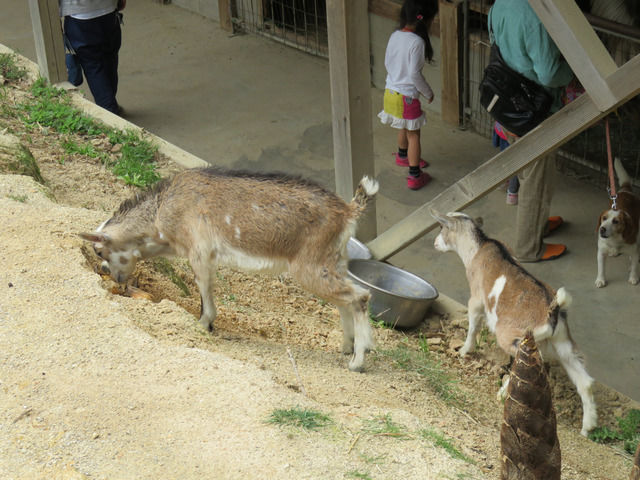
column 398, row 298
column 357, row 249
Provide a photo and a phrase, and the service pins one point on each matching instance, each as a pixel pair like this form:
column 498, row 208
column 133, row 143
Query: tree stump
column 529, row 441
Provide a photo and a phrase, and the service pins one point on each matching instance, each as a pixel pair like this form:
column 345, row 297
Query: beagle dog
column 619, row 228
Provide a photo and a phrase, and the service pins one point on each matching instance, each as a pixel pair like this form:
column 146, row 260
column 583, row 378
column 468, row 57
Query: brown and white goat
column 513, row 302
column 257, row 222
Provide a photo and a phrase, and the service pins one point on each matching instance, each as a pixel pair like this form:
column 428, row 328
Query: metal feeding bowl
column 398, row 298
column 357, row 249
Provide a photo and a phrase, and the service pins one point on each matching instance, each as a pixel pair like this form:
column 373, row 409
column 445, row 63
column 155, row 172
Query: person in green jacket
column 526, row 47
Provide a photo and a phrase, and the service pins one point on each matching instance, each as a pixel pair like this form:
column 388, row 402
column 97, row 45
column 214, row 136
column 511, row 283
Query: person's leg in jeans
column 97, row 42
column 536, row 191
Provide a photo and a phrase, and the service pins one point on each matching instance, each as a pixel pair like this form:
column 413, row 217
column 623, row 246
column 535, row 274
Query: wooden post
column 350, row 76
column 450, row 61
column 47, row 30
column 224, row 13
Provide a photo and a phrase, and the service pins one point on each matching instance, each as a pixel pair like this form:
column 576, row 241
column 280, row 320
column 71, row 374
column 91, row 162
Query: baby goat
column 514, row 302
column 258, row 222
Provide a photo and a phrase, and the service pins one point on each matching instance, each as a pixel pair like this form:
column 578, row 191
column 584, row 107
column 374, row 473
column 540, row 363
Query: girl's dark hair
column 420, row 13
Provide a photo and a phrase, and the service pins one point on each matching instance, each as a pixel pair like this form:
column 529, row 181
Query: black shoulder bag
column 518, row 103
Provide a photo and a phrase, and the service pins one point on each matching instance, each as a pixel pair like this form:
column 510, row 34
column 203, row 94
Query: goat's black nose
column 603, row 232
column 104, row 268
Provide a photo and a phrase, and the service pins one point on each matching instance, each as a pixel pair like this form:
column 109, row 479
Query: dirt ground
column 95, row 384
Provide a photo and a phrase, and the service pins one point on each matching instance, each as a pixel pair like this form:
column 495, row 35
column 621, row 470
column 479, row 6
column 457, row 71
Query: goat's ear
column 95, row 237
column 441, row 220
column 479, row 221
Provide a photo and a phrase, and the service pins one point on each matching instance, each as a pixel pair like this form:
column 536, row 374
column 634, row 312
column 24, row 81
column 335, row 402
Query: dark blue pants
column 96, row 43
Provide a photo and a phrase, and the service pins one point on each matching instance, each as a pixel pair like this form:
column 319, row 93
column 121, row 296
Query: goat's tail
column 366, row 190
column 624, row 180
column 563, row 299
column 557, row 308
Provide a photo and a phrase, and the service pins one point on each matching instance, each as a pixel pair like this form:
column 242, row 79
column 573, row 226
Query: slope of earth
column 95, row 384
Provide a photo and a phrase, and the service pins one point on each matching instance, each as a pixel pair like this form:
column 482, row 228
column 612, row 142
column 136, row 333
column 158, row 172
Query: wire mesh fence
column 301, row 24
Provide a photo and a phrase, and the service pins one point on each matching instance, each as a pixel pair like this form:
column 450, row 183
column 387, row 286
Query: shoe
column 404, row 162
column 553, row 251
column 416, row 183
column 553, row 224
column 512, row 198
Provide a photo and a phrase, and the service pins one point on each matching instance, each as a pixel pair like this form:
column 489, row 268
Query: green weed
column 19, row 198
column 373, row 460
column 299, row 418
column 9, row 69
column 24, row 163
column 356, row 474
column 163, row 266
column 384, row 425
column 50, row 107
column 628, row 432
column 421, row 361
column 440, row 440
column 71, row 147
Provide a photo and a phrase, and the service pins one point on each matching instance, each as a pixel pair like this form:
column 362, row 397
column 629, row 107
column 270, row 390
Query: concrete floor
column 246, row 102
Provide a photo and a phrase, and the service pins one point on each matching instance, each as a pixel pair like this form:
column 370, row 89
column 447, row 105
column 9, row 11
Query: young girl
column 407, row 50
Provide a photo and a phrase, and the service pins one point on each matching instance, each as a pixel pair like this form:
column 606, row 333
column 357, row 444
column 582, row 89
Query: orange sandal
column 553, row 251
column 553, row 223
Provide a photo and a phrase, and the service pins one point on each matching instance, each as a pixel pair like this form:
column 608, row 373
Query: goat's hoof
column 358, row 368
column 633, row 280
column 601, row 283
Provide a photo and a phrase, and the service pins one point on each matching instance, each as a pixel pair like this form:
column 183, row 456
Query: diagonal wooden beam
column 549, row 135
column 583, row 50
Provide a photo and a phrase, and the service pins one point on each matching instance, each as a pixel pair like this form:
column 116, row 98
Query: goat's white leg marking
column 346, row 317
column 570, row 359
column 496, row 291
column 502, row 393
column 205, row 273
column 476, row 310
column 602, row 258
column 363, row 340
column 634, row 274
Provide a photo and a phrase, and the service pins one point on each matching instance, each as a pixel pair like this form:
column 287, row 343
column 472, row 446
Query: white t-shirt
column 404, row 60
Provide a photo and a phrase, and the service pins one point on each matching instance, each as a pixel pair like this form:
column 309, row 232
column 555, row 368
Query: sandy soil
column 94, row 384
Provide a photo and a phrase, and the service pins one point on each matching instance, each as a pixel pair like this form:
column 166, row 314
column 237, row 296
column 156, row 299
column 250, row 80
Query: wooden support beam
column 549, row 135
column 350, row 79
column 450, row 61
column 224, row 13
column 580, row 46
column 47, row 30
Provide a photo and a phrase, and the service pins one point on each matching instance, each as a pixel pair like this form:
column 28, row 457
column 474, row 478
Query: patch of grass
column 136, row 165
column 163, row 266
column 384, row 425
column 628, row 432
column 421, row 361
column 18, row 198
column 356, row 474
column 440, row 440
column 300, row 418
column 373, row 460
column 24, row 163
column 9, row 69
column 51, row 107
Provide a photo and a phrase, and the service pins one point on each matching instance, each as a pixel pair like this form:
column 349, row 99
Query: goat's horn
column 442, row 220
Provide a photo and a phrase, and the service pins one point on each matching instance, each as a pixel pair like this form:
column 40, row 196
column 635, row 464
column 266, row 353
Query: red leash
column 612, row 181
